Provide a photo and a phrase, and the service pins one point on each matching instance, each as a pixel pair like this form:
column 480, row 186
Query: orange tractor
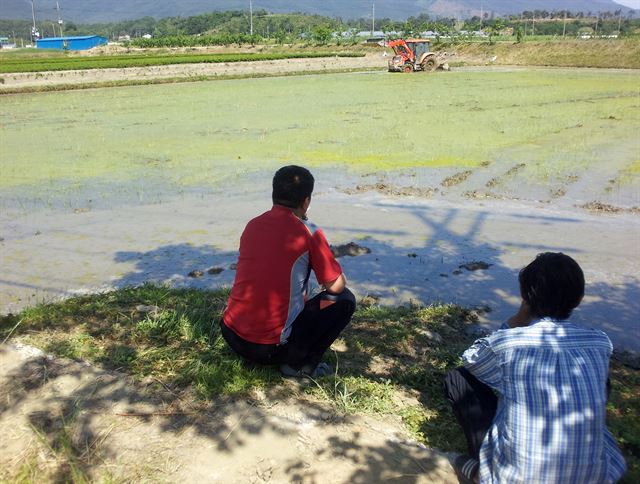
column 414, row 55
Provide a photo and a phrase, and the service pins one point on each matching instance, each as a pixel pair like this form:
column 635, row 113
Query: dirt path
column 226, row 69
column 60, row 416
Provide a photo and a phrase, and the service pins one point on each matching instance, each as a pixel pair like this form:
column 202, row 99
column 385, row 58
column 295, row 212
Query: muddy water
column 417, row 248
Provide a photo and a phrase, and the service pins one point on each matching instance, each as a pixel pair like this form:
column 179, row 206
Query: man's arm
column 337, row 286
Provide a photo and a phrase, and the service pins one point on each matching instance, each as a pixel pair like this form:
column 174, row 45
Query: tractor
column 414, row 55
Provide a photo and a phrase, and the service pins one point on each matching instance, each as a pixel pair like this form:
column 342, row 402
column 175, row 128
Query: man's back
column 550, row 422
column 277, row 252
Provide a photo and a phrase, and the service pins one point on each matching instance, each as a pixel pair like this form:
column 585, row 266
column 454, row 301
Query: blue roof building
column 84, row 42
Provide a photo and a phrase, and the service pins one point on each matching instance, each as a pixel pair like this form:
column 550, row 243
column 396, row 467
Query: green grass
column 202, row 133
column 42, row 64
column 389, row 360
column 179, row 344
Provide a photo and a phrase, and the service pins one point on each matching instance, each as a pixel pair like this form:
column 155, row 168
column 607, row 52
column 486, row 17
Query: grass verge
column 390, row 360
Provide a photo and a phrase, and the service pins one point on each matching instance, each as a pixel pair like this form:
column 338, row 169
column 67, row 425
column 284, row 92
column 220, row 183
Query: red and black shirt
column 277, row 253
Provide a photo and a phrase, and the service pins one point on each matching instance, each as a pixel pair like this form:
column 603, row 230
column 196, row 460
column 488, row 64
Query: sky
column 635, row 4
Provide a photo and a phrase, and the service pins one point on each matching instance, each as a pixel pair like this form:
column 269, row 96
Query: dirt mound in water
column 351, row 249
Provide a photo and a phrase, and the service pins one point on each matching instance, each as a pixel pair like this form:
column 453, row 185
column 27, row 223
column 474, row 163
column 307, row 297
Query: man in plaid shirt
column 531, row 397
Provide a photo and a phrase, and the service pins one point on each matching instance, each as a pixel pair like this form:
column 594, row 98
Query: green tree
column 322, row 34
column 495, row 29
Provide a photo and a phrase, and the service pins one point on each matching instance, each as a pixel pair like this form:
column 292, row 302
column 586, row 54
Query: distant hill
column 95, row 11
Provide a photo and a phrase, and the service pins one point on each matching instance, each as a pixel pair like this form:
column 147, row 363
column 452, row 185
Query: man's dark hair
column 552, row 285
column 291, row 185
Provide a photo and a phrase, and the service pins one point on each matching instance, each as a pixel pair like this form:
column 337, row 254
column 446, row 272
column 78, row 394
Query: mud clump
column 513, row 171
column 480, row 194
column 393, row 190
column 370, row 300
column 475, row 266
column 456, row 179
column 351, row 249
column 601, row 207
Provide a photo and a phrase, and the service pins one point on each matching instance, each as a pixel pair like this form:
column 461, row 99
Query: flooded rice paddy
column 109, row 187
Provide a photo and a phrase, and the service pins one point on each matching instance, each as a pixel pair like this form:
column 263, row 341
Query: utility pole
column 251, row 17
column 373, row 18
column 619, row 21
column 35, row 35
column 481, row 14
column 564, row 25
column 533, row 24
column 59, row 18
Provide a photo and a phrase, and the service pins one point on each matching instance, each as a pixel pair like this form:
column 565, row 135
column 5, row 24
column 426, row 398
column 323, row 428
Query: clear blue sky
column 629, row 3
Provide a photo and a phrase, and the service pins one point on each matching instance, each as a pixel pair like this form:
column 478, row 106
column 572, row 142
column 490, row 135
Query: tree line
column 230, row 27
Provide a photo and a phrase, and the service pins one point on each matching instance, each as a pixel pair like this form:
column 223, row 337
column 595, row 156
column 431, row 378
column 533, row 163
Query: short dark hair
column 552, row 285
column 291, row 185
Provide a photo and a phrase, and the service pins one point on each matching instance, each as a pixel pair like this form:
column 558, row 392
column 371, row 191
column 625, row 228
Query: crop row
column 225, row 39
column 118, row 62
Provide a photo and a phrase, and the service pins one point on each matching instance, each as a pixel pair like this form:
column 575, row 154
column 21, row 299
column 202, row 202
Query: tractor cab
column 419, row 47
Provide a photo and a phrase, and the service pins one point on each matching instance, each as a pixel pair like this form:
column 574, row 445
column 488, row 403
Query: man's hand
column 522, row 317
column 337, row 286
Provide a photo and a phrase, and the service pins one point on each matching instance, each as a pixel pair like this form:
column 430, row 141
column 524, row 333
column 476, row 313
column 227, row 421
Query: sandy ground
column 134, row 432
column 26, row 79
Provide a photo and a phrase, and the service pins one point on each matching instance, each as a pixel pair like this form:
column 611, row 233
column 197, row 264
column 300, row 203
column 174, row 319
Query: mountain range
column 95, row 11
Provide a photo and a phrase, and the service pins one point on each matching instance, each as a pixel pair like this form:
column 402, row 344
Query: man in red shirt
column 268, row 319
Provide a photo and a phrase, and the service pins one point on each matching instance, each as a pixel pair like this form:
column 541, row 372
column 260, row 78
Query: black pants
column 474, row 405
column 316, row 327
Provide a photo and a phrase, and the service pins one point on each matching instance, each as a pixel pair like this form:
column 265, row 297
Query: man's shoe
column 322, row 369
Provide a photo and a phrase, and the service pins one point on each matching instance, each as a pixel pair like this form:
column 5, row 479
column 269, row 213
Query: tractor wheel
column 429, row 64
column 408, row 68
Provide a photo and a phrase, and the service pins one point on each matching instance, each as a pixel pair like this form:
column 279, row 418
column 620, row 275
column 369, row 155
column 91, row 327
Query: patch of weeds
column 623, row 416
column 179, row 344
column 435, row 428
column 68, row 455
column 357, row 394
column 30, row 470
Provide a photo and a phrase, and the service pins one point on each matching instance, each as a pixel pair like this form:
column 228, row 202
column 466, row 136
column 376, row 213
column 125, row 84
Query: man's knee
column 456, row 384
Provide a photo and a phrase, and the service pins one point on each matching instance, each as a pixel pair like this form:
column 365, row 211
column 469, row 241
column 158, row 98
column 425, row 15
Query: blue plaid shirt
column 550, row 422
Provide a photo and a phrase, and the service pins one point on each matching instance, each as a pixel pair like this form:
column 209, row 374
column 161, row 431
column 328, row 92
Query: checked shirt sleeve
column 484, row 364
